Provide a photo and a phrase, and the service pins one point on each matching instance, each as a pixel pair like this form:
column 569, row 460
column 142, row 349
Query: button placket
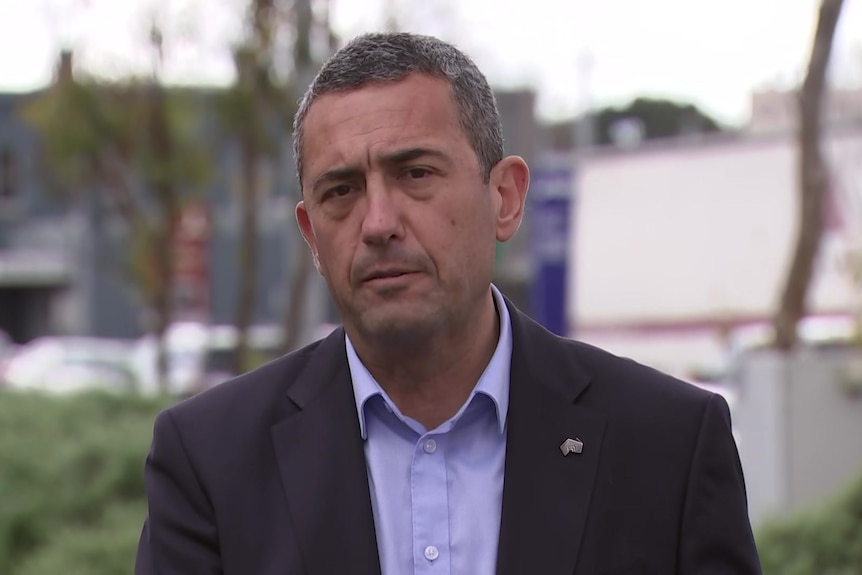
column 430, row 519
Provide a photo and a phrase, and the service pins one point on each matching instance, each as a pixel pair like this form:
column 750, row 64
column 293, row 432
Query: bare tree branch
column 813, row 181
column 113, row 176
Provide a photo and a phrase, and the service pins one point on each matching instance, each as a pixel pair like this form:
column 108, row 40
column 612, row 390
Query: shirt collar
column 494, row 381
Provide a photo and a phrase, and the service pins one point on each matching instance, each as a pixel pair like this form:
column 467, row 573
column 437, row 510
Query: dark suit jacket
column 265, row 474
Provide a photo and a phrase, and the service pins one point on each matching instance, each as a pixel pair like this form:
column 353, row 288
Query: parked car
column 59, row 364
column 199, row 355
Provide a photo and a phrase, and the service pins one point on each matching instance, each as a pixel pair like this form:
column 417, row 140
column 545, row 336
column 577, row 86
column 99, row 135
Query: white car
column 58, row 364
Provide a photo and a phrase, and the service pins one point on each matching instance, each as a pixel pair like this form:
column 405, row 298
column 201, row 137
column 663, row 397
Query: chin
column 398, row 328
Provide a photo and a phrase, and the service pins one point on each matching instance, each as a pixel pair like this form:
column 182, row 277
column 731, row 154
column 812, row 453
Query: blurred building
column 65, row 254
column 34, row 266
column 64, row 259
column 681, row 247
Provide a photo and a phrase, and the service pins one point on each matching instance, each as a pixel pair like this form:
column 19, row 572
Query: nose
column 382, row 222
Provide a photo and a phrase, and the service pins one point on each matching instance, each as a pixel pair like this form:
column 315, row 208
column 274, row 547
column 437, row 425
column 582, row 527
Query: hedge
column 822, row 541
column 71, row 482
column 72, row 495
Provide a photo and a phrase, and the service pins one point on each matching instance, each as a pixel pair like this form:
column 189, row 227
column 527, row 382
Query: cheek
column 467, row 223
column 473, row 237
column 335, row 257
column 459, row 238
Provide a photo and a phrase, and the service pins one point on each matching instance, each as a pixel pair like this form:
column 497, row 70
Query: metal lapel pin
column 572, row 446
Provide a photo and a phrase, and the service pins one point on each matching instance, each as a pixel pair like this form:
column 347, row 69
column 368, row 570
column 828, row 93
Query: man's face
column 395, row 208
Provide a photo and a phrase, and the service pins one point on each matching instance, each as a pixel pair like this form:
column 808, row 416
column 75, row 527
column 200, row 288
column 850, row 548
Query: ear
column 307, row 232
column 509, row 182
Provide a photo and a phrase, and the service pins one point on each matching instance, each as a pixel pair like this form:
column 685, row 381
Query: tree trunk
column 169, row 209
column 248, row 255
column 813, row 181
column 164, row 308
column 297, row 296
column 302, row 270
column 162, row 323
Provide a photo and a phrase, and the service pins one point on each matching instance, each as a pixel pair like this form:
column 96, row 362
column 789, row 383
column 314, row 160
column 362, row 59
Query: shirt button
column 430, row 446
column 431, row 553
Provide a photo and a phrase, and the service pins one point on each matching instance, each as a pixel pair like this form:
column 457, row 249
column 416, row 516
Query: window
column 8, row 176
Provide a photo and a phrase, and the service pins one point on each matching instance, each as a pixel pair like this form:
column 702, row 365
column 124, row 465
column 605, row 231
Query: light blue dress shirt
column 436, row 494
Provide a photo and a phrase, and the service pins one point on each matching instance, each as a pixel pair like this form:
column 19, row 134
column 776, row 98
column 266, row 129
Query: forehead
column 346, row 127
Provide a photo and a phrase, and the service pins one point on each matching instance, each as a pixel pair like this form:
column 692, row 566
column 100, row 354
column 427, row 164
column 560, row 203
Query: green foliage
column 71, row 482
column 257, row 109
column 825, row 541
column 142, row 147
column 659, row 118
column 73, row 502
column 87, row 124
column 189, row 164
column 107, row 548
column 72, row 126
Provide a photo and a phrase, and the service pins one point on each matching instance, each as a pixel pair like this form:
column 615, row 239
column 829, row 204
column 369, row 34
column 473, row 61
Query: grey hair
column 390, row 57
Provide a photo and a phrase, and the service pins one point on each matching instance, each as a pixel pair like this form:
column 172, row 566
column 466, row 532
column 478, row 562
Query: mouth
column 387, row 275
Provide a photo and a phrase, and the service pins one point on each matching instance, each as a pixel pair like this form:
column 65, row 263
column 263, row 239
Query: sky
column 576, row 53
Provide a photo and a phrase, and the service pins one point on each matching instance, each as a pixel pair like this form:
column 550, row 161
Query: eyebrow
column 410, row 154
column 394, row 158
column 337, row 174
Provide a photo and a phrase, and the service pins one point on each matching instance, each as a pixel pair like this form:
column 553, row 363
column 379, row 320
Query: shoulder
column 637, row 397
column 652, row 420
column 628, row 392
column 620, row 374
column 599, row 375
column 252, row 398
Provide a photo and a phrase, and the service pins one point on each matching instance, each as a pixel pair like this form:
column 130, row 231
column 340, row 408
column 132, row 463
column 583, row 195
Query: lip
column 388, row 277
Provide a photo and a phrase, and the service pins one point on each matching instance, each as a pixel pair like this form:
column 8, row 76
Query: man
column 440, row 430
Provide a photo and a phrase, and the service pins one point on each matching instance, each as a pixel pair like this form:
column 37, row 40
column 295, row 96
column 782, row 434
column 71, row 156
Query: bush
column 71, row 482
column 826, row 541
column 72, row 496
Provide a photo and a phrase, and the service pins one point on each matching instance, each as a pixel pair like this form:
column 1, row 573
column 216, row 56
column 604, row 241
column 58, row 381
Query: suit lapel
column 546, row 495
column 322, row 464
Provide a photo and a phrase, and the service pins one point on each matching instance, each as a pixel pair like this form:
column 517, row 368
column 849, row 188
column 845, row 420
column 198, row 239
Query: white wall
column 690, row 231
column 760, row 418
column 694, row 234
column 798, row 429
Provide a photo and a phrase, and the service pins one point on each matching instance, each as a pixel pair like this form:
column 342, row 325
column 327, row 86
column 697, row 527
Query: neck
column 430, row 383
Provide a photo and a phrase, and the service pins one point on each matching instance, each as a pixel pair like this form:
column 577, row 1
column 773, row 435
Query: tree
column 254, row 113
column 813, row 181
column 652, row 119
column 303, row 62
column 306, row 22
column 257, row 114
column 658, row 118
column 135, row 147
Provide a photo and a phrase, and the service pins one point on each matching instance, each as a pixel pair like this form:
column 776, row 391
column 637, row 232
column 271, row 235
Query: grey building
column 62, row 257
column 36, row 270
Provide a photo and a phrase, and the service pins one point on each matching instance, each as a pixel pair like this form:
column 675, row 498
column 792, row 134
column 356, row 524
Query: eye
column 417, row 173
column 338, row 191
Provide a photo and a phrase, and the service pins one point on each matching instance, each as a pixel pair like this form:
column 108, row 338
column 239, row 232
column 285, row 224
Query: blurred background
column 696, row 205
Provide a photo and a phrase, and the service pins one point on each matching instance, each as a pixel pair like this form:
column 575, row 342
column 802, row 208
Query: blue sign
column 549, row 204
